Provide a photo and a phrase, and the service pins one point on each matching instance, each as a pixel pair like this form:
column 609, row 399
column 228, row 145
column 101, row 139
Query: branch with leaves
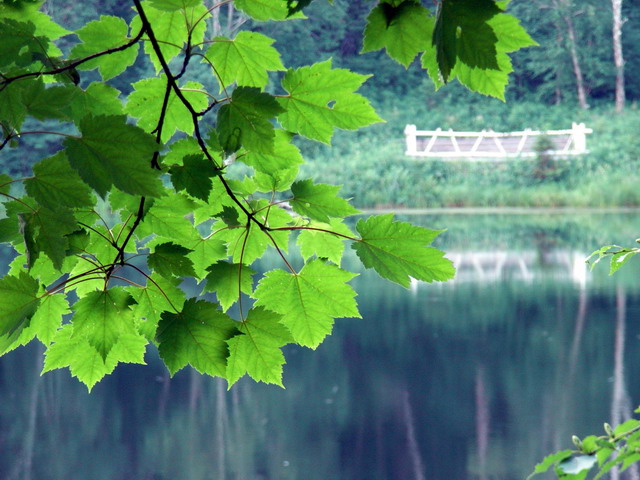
column 147, row 188
column 619, row 448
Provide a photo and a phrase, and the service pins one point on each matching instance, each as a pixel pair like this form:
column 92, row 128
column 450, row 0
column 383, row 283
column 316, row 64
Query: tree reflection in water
column 476, row 379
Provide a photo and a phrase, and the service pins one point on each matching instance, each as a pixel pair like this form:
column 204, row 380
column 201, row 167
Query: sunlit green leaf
column 321, row 242
column 172, row 5
column 172, row 29
column 257, row 351
column 245, row 60
column 321, row 99
column 145, row 103
column 55, row 184
column 309, row 300
column 104, row 34
column 399, row 250
column 228, row 280
column 102, row 316
column 549, row 461
column 404, row 30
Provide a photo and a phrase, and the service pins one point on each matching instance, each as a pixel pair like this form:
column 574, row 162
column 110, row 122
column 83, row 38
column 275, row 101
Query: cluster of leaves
column 144, row 191
column 619, row 448
column 617, row 255
column 468, row 40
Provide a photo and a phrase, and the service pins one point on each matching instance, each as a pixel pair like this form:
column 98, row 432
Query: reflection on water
column 473, row 380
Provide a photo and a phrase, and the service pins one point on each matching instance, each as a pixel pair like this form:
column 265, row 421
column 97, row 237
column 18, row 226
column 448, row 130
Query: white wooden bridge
column 488, row 145
column 518, row 266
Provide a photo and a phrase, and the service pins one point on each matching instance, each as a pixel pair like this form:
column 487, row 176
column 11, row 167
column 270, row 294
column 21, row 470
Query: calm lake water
column 475, row 379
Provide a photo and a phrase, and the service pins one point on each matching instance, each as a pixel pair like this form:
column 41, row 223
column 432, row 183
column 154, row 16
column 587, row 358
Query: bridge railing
column 490, row 145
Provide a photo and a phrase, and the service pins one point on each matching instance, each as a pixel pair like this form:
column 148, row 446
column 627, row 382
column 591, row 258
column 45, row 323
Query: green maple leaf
column 205, row 252
column 399, row 250
column 285, row 155
column 12, row 108
column 257, row 351
column 167, row 218
column 44, row 24
column 104, row 34
column 197, row 336
column 319, row 201
column 245, row 60
column 247, row 242
column 169, row 259
column 44, row 231
column 159, row 295
column 84, row 361
column 44, row 324
column 48, row 318
column 227, row 280
column 511, row 35
column 17, row 41
column 172, row 5
column 55, row 184
column 245, row 121
column 404, row 30
column 264, row 9
column 43, row 103
column 98, row 99
column 487, row 82
column 194, row 176
column 172, row 28
column 145, row 103
column 18, row 302
column 102, row 316
column 102, row 162
column 321, row 99
column 460, row 26
column 309, row 300
column 323, row 244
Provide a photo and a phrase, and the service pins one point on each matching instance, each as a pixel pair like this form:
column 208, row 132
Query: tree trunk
column 617, row 53
column 564, row 10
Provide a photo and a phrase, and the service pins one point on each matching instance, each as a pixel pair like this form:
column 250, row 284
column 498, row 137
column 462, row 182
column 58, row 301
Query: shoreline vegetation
column 373, row 169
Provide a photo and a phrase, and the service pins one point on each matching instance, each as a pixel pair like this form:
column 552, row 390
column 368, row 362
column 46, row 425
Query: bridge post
column 579, row 134
column 411, row 138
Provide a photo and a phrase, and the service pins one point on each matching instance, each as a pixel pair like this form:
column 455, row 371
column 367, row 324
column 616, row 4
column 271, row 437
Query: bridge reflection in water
column 525, row 266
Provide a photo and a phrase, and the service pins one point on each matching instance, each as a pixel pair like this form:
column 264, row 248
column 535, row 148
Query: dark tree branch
column 70, row 66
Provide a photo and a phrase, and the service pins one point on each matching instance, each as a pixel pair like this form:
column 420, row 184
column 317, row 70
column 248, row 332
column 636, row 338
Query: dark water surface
column 476, row 379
